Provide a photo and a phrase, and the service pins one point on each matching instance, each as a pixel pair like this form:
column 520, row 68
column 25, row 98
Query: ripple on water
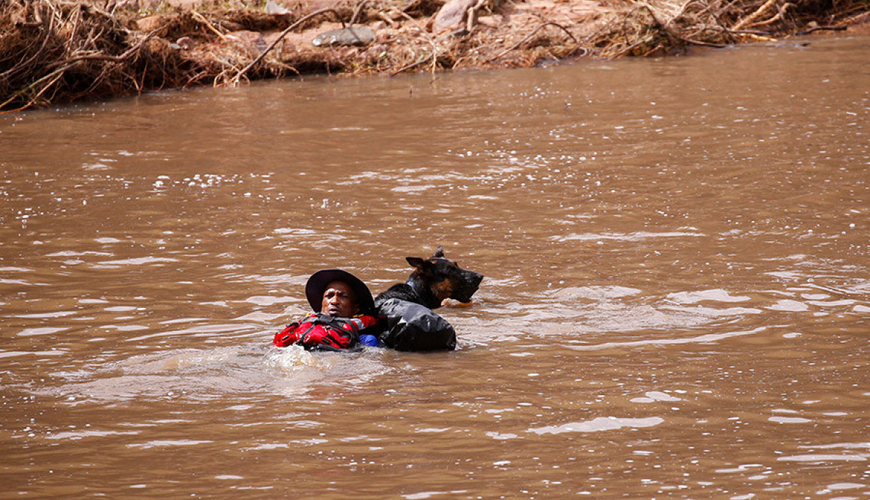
column 629, row 237
column 210, row 373
column 169, row 443
column 30, row 332
column 139, row 261
column 655, row 396
column 789, row 305
column 599, row 424
column 715, row 295
column 591, row 292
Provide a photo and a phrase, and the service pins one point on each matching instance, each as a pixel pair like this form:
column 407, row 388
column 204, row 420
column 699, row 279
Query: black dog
column 433, row 280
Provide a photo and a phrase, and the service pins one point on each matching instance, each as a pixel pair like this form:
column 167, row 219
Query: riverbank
column 54, row 51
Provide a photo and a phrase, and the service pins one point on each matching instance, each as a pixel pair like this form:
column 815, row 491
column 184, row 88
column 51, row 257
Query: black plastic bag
column 414, row 327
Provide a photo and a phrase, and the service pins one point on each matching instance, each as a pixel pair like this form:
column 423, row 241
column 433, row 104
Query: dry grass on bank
column 63, row 51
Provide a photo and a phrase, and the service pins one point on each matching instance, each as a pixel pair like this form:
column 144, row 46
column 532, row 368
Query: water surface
column 676, row 302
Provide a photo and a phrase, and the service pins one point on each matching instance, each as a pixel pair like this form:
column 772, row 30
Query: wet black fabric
column 414, row 327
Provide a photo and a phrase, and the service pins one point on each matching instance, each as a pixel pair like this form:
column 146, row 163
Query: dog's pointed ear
column 439, row 253
column 417, row 262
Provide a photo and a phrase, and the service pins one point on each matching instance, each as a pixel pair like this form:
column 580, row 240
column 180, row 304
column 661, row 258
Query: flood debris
column 54, row 51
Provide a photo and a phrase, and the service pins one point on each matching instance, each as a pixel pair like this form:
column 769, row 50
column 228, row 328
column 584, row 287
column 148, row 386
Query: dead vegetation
column 63, row 51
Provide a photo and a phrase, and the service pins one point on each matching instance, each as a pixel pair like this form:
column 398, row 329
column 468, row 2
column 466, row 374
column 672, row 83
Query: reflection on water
column 675, row 304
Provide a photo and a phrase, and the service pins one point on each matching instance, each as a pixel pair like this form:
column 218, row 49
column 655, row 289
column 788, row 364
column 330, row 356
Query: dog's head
column 444, row 277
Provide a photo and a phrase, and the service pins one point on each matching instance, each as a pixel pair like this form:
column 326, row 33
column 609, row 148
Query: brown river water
column 676, row 301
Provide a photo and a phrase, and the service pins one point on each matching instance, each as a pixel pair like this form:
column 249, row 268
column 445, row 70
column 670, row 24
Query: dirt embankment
column 62, row 51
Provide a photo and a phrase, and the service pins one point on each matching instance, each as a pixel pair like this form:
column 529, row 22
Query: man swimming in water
column 343, row 314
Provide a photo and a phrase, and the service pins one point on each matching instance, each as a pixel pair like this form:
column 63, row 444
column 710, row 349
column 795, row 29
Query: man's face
column 339, row 300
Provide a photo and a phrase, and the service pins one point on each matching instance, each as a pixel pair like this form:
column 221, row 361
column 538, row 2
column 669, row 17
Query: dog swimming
column 432, row 281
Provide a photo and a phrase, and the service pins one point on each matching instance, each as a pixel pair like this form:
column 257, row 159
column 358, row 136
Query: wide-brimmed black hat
column 318, row 282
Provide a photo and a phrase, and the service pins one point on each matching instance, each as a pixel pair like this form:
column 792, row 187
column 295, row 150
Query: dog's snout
column 475, row 278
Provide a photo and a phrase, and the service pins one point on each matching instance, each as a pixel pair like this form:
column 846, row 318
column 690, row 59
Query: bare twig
column 701, row 43
column 755, row 15
column 631, row 47
column 387, row 19
column 773, row 19
column 526, row 38
column 433, row 56
column 680, row 13
column 57, row 76
column 412, row 65
column 199, row 17
column 235, row 80
column 25, row 64
column 67, row 63
column 471, row 13
column 357, row 12
column 820, row 28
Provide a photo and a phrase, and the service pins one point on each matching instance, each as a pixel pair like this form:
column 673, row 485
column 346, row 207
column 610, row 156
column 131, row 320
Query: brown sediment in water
column 55, row 51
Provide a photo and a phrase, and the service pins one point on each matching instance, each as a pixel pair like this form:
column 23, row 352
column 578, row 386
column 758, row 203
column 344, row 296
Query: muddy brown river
column 676, row 301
